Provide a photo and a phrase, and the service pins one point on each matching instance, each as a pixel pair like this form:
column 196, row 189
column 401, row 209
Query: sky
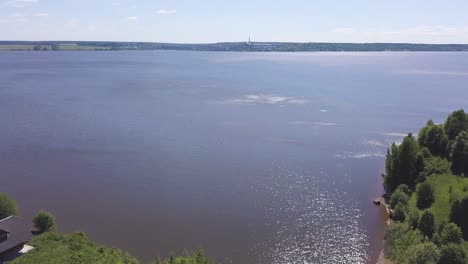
column 207, row 21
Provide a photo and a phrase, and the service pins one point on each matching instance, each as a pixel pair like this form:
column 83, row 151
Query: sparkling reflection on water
column 314, row 224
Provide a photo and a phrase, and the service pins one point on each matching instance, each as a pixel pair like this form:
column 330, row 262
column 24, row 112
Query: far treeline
column 52, row 247
column 224, row 46
column 425, row 178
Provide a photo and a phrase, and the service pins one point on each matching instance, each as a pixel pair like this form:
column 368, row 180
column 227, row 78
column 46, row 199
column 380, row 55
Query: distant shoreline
column 229, row 46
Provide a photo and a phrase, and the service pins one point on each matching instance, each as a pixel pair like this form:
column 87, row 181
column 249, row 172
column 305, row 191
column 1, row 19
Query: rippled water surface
column 255, row 157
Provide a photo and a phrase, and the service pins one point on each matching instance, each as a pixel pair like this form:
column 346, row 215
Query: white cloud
column 20, row 3
column 166, row 11
column 42, row 14
column 415, row 34
column 345, row 30
column 14, row 18
column 265, row 99
column 132, row 18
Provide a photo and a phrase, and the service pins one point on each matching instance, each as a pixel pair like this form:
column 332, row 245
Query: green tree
column 403, row 165
column 44, row 222
column 456, row 123
column 424, row 253
column 459, row 215
column 7, row 206
column 436, row 165
column 459, row 154
column 433, row 137
column 400, row 195
column 451, row 233
column 426, row 224
column 452, row 254
column 413, row 218
column 398, row 238
column 424, row 195
column 399, row 213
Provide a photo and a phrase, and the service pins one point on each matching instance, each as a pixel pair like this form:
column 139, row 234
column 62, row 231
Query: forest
column 428, row 191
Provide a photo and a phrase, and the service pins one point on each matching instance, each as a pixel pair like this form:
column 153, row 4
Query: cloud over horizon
column 165, row 12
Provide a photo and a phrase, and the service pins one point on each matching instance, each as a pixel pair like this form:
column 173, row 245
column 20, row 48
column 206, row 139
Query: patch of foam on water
column 363, row 155
column 313, row 221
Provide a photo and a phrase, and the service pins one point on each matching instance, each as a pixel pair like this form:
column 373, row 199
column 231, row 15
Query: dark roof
column 18, row 232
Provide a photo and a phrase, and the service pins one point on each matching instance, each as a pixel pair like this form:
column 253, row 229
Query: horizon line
column 221, row 42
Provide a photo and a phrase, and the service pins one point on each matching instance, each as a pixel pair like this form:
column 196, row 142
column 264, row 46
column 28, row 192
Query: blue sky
column 199, row 21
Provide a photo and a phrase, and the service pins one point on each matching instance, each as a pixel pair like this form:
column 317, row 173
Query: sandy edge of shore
column 382, row 201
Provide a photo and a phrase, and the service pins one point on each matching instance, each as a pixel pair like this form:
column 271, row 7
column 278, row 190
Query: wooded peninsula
column 425, row 181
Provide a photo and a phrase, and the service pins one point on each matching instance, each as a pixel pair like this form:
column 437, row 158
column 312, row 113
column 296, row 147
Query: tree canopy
column 459, row 154
column 427, row 224
column 456, row 123
column 424, row 195
column 433, row 137
column 459, row 215
column 404, row 164
column 44, row 222
column 8, row 207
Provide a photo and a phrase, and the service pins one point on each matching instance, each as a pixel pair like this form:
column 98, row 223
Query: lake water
column 261, row 158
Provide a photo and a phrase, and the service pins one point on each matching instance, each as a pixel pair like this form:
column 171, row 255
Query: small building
column 14, row 234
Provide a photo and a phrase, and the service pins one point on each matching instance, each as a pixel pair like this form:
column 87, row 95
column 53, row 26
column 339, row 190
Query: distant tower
column 248, row 42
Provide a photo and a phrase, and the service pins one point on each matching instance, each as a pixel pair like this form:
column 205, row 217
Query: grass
column 447, row 188
column 54, row 248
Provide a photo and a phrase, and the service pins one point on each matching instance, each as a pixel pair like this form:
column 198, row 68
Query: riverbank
column 382, row 202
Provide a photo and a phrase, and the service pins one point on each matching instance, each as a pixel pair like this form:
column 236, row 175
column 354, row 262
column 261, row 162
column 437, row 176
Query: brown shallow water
column 257, row 158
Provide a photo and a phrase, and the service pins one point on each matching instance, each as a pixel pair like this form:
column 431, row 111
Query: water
column 255, row 157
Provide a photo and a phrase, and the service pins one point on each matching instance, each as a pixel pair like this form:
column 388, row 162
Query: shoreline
column 382, row 201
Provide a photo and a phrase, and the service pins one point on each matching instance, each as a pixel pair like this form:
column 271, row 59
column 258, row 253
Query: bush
column 399, row 214
column 452, row 254
column 426, row 224
column 451, row 233
column 425, row 195
column 44, row 222
column 7, row 206
column 413, row 218
column 426, row 253
column 459, row 154
column 399, row 237
column 399, row 196
column 459, row 215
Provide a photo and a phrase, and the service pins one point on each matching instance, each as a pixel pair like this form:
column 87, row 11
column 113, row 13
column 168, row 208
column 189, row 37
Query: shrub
column 452, row 254
column 44, row 222
column 459, row 215
column 399, row 196
column 425, row 253
column 399, row 214
column 426, row 224
column 424, row 195
column 413, row 218
column 7, row 206
column 451, row 233
column 399, row 237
